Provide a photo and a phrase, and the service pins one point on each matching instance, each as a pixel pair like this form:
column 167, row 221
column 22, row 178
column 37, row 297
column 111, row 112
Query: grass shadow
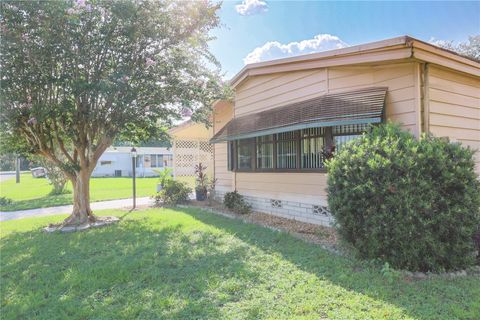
column 126, row 271
column 438, row 298
column 42, row 202
column 190, row 264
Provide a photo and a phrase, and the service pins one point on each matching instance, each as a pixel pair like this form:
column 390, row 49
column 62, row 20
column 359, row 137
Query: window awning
column 352, row 107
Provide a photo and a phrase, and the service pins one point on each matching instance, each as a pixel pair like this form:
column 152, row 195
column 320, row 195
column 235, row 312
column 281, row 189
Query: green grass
column 33, row 193
column 189, row 264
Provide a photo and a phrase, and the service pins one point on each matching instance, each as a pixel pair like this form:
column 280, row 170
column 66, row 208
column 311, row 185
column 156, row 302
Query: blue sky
column 253, row 23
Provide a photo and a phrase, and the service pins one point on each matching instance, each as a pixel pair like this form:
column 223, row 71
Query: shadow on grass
column 427, row 299
column 189, row 264
column 126, row 271
column 43, row 202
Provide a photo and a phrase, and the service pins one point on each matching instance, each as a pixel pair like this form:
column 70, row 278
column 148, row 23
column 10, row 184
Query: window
column 156, row 160
column 146, row 161
column 312, row 144
column 343, row 134
column 245, row 154
column 264, row 146
column 153, row 161
column 160, row 160
column 167, row 160
column 105, row 163
column 290, row 151
column 287, row 150
column 138, row 161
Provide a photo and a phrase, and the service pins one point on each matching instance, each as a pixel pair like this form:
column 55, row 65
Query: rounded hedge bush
column 412, row 203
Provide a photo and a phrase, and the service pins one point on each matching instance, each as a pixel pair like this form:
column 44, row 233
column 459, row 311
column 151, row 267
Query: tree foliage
column 55, row 176
column 76, row 75
column 470, row 49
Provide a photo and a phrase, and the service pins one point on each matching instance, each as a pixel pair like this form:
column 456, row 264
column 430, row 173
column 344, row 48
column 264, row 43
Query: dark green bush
column 412, row 203
column 173, row 193
column 236, row 202
column 4, row 201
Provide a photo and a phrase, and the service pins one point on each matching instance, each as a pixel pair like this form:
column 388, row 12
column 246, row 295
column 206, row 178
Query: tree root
column 76, row 219
column 73, row 223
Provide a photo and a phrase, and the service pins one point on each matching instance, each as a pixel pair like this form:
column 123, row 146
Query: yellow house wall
column 270, row 91
column 454, row 107
column 193, row 131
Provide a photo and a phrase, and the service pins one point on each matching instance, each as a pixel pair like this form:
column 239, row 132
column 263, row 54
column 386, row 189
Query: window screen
column 265, row 152
column 344, row 134
column 312, row 144
column 287, row 150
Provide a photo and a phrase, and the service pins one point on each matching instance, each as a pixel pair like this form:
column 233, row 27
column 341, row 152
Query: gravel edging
column 330, row 244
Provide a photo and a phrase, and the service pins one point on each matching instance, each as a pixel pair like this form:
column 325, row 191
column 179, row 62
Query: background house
column 269, row 141
column 117, row 162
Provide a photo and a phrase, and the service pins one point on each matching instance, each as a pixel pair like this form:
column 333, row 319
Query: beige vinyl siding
column 299, row 187
column 454, row 104
column 223, row 112
column 401, row 96
column 274, row 90
column 223, row 176
column 270, row 91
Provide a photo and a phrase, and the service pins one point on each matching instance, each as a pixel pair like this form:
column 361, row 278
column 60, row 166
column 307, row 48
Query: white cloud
column 275, row 50
column 250, row 7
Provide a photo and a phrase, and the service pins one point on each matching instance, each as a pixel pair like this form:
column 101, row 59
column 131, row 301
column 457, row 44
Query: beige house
column 268, row 143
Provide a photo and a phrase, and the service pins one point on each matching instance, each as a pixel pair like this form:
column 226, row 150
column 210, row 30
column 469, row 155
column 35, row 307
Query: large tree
column 76, row 75
column 470, row 49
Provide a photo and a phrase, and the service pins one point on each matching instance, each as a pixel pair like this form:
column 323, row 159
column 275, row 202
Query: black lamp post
column 134, row 165
column 17, row 169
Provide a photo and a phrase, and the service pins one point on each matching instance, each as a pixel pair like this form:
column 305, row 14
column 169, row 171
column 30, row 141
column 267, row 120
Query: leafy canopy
column 78, row 74
column 470, row 49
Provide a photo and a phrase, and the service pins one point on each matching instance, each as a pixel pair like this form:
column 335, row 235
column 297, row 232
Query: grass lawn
column 190, row 264
column 33, row 193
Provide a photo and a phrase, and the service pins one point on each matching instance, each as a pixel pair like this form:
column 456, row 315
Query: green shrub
column 164, row 175
column 236, row 202
column 412, row 203
column 173, row 193
column 4, row 201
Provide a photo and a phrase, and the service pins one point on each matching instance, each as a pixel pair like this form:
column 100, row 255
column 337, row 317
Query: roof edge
column 402, row 41
column 180, row 126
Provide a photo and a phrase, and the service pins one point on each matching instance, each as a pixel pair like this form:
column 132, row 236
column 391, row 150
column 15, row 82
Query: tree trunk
column 81, row 200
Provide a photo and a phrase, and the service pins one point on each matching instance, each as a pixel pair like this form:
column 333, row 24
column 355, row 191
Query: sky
column 259, row 30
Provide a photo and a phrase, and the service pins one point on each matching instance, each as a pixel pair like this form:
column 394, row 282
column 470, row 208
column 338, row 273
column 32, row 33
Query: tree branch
column 62, row 145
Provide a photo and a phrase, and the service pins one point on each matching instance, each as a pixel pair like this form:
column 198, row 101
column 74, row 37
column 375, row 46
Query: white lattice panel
column 187, row 154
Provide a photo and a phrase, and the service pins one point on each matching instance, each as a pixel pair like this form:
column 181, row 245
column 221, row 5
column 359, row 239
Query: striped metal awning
column 352, row 107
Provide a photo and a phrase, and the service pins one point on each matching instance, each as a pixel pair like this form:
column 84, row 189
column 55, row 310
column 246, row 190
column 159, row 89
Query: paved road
column 112, row 204
column 6, row 176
